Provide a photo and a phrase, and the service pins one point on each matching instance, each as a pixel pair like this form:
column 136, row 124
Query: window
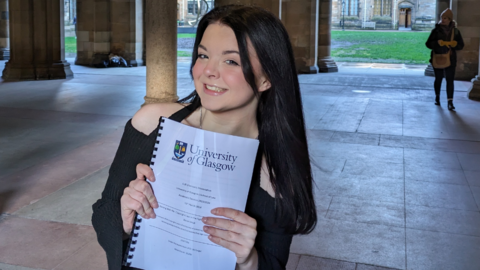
column 382, row 8
column 192, row 7
column 350, row 8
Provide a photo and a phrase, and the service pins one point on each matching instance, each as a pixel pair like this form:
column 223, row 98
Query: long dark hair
column 279, row 115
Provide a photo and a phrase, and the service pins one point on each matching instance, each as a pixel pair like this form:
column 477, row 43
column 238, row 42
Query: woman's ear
column 265, row 85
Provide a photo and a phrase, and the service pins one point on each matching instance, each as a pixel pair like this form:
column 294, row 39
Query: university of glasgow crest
column 180, row 149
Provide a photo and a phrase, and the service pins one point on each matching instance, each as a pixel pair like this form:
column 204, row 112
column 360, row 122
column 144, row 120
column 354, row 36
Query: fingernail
column 205, row 228
column 204, row 220
column 214, row 211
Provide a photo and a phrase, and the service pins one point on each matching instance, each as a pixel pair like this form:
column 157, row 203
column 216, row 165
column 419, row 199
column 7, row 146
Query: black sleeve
column 273, row 250
column 135, row 147
column 432, row 40
column 459, row 39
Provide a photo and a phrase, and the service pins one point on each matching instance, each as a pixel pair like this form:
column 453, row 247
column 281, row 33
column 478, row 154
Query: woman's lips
column 213, row 90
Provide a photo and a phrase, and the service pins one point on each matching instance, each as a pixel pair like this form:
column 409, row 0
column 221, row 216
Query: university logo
column 179, row 151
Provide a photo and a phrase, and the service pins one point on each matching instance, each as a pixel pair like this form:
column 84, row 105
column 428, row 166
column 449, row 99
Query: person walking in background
column 444, row 40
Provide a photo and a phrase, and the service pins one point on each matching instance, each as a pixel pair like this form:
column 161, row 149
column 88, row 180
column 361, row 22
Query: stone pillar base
column 326, row 64
column 55, row 71
column 308, row 70
column 165, row 99
column 429, row 71
column 474, row 91
column 4, row 54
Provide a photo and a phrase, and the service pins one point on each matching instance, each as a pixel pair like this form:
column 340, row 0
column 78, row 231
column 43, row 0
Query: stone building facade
column 190, row 11
column 383, row 14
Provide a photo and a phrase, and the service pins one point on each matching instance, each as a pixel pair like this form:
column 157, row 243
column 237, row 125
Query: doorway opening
column 405, row 19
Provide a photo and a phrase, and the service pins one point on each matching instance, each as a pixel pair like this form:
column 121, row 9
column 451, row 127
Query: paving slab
column 434, row 251
column 72, row 204
column 4, row 266
column 447, row 145
column 47, row 243
column 365, row 188
column 355, row 137
column 358, row 152
column 443, row 220
column 354, row 242
column 469, row 162
column 434, row 174
column 293, row 261
column 439, row 195
column 309, row 262
column 345, row 115
column 383, row 117
column 49, row 176
column 432, row 159
column 473, row 177
column 366, row 211
column 373, row 169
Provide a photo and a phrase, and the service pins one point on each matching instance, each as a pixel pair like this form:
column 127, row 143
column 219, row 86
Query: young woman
column 436, row 42
column 245, row 85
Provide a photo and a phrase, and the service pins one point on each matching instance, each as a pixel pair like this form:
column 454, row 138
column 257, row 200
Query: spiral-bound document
column 195, row 171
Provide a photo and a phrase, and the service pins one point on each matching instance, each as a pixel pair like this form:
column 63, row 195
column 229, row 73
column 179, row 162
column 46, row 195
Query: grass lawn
column 71, row 45
column 384, row 47
column 354, row 46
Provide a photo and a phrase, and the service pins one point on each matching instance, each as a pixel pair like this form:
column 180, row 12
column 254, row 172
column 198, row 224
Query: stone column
column 300, row 20
column 161, row 50
column 127, row 30
column 466, row 13
column 93, row 31
column 37, row 38
column 4, row 40
column 441, row 6
column 325, row 63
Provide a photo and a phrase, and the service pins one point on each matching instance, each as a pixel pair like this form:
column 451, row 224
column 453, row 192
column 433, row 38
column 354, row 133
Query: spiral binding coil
column 138, row 219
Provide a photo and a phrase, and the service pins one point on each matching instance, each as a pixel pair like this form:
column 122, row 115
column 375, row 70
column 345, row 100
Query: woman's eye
column 231, row 62
column 202, row 56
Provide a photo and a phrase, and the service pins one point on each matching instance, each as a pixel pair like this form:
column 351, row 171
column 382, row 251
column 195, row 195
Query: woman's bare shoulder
column 146, row 119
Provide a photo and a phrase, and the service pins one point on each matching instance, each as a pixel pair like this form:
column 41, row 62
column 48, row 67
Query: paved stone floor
column 398, row 179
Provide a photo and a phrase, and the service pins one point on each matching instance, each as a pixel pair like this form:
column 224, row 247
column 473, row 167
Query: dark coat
column 436, row 35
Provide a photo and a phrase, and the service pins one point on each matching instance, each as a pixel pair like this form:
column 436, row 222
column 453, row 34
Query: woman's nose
column 211, row 69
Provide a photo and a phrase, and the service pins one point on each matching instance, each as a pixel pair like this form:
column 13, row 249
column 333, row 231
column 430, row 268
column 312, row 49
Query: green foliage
column 385, row 47
column 381, row 19
column 350, row 18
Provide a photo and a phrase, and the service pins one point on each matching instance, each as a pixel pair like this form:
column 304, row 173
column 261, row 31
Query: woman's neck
column 238, row 124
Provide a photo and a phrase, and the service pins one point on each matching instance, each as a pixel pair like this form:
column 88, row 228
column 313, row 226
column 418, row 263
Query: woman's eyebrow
column 229, row 52
column 224, row 52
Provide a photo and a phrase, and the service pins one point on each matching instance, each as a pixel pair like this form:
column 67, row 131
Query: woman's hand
column 237, row 233
column 138, row 198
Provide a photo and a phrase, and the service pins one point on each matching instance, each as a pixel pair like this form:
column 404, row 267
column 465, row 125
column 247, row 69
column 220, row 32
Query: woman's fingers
column 235, row 215
column 237, row 233
column 138, row 199
column 143, row 171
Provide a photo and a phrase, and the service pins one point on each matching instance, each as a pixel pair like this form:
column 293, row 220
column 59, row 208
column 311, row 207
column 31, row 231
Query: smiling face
column 218, row 75
column 445, row 20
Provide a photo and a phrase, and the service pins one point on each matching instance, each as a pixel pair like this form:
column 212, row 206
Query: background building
column 384, row 14
column 190, row 12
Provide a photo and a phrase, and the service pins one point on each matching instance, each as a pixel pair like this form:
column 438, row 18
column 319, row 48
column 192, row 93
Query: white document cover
column 195, row 171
